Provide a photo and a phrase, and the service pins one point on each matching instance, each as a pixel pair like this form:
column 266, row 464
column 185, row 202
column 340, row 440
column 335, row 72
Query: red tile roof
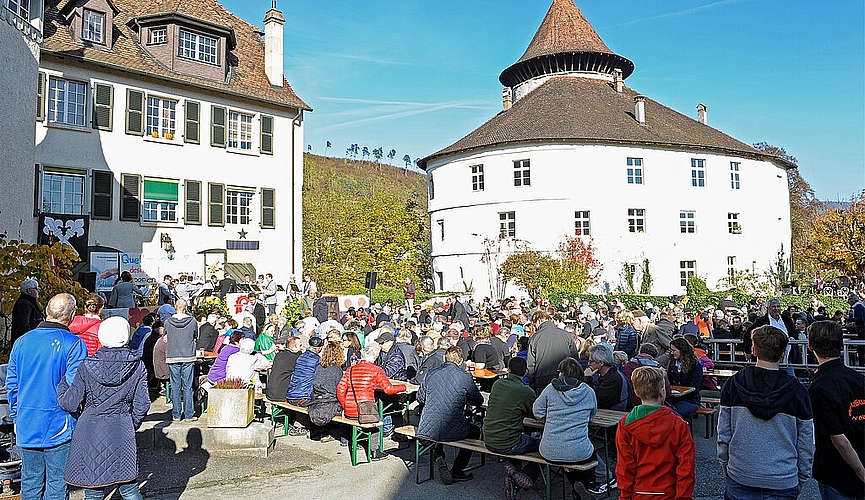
column 248, row 78
column 564, row 29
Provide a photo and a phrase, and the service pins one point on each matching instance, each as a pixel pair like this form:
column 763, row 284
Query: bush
column 293, row 310
column 211, row 305
column 382, row 293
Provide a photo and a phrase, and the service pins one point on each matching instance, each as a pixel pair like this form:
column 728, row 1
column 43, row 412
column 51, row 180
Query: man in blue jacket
column 40, row 359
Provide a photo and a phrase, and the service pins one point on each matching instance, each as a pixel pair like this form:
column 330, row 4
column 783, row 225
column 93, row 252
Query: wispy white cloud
column 455, row 104
column 394, row 111
column 682, row 13
column 367, row 58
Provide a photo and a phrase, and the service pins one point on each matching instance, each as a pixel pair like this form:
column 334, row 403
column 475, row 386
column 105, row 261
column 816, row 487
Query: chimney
column 640, row 109
column 618, row 82
column 507, row 99
column 701, row 114
column 273, row 61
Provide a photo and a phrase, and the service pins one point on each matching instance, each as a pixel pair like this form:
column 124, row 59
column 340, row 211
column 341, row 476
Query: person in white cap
column 112, row 385
column 25, row 313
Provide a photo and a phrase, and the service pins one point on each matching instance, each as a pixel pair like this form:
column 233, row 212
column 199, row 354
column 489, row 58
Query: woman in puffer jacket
column 112, row 385
column 87, row 326
column 627, row 339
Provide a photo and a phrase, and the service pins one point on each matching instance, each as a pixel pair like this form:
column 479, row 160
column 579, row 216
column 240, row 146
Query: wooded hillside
column 361, row 216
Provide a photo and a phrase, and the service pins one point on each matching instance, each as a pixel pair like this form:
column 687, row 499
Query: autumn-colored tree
column 804, row 207
column 579, row 252
column 575, row 269
column 837, row 240
column 532, row 270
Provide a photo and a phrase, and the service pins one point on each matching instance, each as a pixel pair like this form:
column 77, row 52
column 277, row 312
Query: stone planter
column 230, row 407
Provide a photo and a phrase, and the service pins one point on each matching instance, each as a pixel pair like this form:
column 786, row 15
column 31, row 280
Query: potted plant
column 230, row 403
column 169, row 136
column 154, row 134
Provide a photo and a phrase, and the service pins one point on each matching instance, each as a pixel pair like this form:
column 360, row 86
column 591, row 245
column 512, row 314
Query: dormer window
column 198, row 47
column 158, row 36
column 93, row 26
column 20, row 7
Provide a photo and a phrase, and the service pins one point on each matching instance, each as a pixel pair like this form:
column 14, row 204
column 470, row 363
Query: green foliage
column 542, row 275
column 357, row 221
column 628, row 276
column 211, row 305
column 630, row 300
column 531, row 270
column 51, row 266
column 292, row 310
column 382, row 293
column 646, row 281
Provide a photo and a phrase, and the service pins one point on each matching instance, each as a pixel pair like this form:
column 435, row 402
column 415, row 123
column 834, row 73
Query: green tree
column 390, row 155
column 531, row 270
column 646, row 280
column 365, row 153
column 407, row 160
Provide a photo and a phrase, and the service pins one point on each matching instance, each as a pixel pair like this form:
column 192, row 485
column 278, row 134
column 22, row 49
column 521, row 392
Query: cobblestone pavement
column 300, row 468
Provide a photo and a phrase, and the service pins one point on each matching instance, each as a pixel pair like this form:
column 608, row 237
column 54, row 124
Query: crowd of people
column 560, row 363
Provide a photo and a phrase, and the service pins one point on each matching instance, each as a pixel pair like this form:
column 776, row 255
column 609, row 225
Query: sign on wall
column 132, row 262
column 72, row 230
column 106, row 265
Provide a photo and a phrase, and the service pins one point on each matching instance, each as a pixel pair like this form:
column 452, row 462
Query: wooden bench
column 476, row 445
column 360, row 433
column 709, row 414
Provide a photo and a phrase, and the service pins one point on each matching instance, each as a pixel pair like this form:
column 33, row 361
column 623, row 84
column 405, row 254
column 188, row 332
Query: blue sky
column 415, row 75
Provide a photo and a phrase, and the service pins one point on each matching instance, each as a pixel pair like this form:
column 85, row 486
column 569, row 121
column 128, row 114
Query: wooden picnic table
column 720, row 372
column 682, row 390
column 484, row 373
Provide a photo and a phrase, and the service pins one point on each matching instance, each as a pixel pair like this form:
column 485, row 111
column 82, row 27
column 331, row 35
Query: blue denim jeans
column 387, row 424
column 736, row 491
column 128, row 491
column 42, row 473
column 526, row 444
column 829, row 493
column 180, row 375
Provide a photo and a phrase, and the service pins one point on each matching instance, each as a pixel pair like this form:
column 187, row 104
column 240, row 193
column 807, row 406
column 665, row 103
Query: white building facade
column 580, row 153
column 179, row 140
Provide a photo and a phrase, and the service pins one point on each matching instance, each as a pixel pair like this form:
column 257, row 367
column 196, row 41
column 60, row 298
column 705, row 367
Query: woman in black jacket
column 685, row 370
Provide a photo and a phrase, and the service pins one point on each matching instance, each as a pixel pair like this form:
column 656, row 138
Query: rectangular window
column 431, row 187
column 161, row 117
column 687, row 222
column 636, row 220
column 20, row 7
column 158, row 36
column 239, row 131
column 160, row 201
column 733, row 226
column 734, row 175
column 477, row 177
column 698, row 172
column 582, row 223
column 93, row 26
column 508, row 224
column 687, row 268
column 731, row 266
column 237, row 207
column 66, row 102
column 441, row 224
column 635, row 170
column 63, row 193
column 198, row 47
column 522, row 173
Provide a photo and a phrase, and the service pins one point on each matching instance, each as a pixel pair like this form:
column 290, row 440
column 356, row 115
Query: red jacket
column 88, row 330
column 364, row 377
column 656, row 457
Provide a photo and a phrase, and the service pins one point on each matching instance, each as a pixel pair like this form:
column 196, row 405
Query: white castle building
column 575, row 149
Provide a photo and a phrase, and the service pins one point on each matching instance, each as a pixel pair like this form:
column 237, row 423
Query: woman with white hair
column 245, row 365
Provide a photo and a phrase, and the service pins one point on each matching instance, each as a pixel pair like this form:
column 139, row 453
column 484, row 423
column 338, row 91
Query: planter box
column 230, row 407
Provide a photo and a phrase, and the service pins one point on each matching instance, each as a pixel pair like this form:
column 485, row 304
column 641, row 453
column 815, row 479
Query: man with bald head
column 39, row 360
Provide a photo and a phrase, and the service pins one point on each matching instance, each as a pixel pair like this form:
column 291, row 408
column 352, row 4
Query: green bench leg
column 353, row 445
column 167, row 392
column 419, row 450
column 545, row 469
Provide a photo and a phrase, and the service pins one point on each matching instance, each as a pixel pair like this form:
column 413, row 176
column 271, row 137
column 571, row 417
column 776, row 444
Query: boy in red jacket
column 656, row 451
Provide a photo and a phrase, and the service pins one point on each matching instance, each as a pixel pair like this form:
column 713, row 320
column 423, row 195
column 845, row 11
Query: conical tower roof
column 565, row 42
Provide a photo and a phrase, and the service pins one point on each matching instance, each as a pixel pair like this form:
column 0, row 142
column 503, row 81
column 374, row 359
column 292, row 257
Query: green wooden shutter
column 192, row 129
column 40, row 97
column 103, row 106
column 217, row 126
column 266, row 142
column 130, row 203
column 37, row 196
column 216, row 204
column 103, row 188
column 134, row 112
column 193, row 202
column 268, row 208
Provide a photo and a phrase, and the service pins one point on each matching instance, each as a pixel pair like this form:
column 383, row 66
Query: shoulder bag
column 367, row 411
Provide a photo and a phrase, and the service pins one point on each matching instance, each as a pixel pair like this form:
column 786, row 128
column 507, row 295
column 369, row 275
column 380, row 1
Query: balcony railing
column 21, row 24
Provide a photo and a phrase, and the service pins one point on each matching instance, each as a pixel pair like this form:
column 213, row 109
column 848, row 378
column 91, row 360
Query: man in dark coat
column 258, row 312
column 772, row 317
column 26, row 315
column 227, row 285
column 547, row 348
column 430, row 356
column 283, row 366
column 458, row 311
column 207, row 333
column 444, row 393
column 659, row 335
column 319, row 308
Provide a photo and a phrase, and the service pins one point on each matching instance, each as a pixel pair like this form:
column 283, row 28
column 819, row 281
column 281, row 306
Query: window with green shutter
column 266, row 143
column 192, row 131
column 268, row 208
column 103, row 188
column 103, row 106
column 192, row 214
column 134, row 112
column 216, row 204
column 217, row 126
column 160, row 201
column 130, row 202
column 40, row 97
